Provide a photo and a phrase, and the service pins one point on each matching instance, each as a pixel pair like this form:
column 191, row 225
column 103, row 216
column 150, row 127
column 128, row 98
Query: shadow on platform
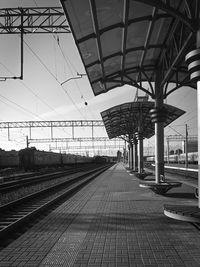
column 181, row 195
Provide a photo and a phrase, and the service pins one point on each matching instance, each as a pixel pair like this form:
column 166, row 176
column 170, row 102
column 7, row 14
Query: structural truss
column 51, row 125
column 181, row 138
column 76, row 139
column 29, row 124
column 33, row 20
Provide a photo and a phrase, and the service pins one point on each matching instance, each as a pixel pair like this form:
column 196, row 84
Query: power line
column 191, row 118
column 35, row 3
column 175, row 130
column 19, row 106
column 10, row 106
column 69, row 67
column 54, row 77
column 29, row 89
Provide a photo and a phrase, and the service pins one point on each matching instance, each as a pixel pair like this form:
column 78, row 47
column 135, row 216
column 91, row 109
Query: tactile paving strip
column 65, row 251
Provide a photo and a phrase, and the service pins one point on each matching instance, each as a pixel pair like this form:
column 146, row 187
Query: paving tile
column 111, row 222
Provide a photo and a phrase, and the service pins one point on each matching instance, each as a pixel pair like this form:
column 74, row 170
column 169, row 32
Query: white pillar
column 158, row 116
column 131, row 145
column 129, row 156
column 159, row 151
column 192, row 59
column 135, row 155
column 198, row 118
column 198, row 114
column 140, row 153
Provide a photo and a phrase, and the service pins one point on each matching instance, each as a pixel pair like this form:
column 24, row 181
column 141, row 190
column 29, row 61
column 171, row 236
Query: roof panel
column 88, row 50
column 140, row 32
column 137, row 34
column 125, row 118
column 160, row 30
column 138, row 10
column 82, row 25
column 109, row 42
column 109, row 14
column 95, row 72
column 111, row 65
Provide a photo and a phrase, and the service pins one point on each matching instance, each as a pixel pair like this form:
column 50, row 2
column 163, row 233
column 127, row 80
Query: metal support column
column 135, row 155
column 27, row 142
column 159, row 151
column 158, row 117
column 72, row 129
column 198, row 107
column 51, row 131
column 140, row 152
column 8, row 132
column 192, row 59
column 30, row 136
column 124, row 154
column 198, row 118
column 186, row 146
column 131, row 155
column 22, row 45
column 168, row 150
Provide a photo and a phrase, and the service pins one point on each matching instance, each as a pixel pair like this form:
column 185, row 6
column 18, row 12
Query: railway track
column 183, row 175
column 18, row 213
column 31, row 180
column 178, row 170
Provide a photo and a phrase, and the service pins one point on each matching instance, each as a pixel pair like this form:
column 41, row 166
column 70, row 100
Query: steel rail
column 18, row 213
column 33, row 180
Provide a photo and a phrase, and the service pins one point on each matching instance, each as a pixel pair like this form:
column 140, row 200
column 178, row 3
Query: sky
column 49, row 60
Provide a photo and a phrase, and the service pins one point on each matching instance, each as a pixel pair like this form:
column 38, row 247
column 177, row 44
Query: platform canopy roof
column 124, row 120
column 129, row 41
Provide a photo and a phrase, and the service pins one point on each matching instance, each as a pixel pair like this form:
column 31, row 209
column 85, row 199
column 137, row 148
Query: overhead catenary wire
column 194, row 117
column 55, row 79
column 51, row 73
column 70, row 65
column 67, row 60
column 19, row 106
column 44, row 65
column 29, row 89
column 175, row 130
column 26, row 111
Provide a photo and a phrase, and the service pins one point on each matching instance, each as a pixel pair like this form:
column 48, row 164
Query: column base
column 161, row 188
column 183, row 213
column 142, row 175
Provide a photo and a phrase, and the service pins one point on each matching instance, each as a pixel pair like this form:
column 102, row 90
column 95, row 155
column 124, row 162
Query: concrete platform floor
column 111, row 222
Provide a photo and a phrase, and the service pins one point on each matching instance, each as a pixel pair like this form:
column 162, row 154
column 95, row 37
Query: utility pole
column 186, row 146
column 167, row 150
column 27, row 142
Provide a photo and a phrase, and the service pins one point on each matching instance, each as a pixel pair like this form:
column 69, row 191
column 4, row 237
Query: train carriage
column 30, row 158
column 9, row 159
column 192, row 158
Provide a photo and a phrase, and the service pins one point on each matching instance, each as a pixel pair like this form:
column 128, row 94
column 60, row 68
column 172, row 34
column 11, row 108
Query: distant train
column 31, row 158
column 9, row 159
column 192, row 158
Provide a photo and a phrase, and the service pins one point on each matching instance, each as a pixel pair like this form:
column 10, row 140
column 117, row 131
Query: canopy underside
column 129, row 41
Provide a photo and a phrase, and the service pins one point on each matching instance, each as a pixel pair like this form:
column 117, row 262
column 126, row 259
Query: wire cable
column 30, row 90
column 54, row 78
column 19, row 106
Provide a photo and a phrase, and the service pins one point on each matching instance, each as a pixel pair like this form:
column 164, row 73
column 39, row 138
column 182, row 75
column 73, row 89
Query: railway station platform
column 110, row 222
